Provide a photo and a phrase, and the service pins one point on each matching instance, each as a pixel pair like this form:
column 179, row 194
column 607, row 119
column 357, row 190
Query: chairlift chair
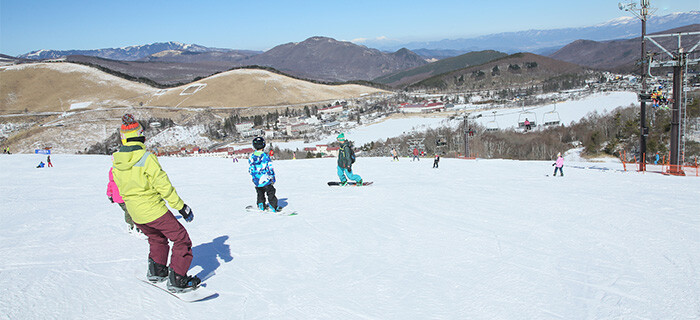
column 530, row 116
column 492, row 125
column 551, row 118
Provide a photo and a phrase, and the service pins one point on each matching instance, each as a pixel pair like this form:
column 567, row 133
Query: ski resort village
column 274, row 173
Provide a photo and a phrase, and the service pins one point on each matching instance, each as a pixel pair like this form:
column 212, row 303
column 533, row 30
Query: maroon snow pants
column 161, row 230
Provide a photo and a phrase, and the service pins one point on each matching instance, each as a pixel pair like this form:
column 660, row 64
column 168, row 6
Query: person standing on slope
column 415, row 154
column 48, row 161
column 260, row 168
column 437, row 160
column 559, row 165
column 346, row 157
column 145, row 188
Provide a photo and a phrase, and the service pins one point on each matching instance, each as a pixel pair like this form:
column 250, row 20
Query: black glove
column 186, row 213
column 111, row 200
column 553, row 164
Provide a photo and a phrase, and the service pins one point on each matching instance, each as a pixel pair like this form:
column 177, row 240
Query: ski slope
column 484, row 239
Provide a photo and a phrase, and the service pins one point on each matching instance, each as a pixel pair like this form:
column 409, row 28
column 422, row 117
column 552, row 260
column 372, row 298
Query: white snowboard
column 284, row 212
column 198, row 294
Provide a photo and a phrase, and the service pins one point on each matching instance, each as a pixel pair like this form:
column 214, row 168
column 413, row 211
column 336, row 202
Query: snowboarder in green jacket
column 346, row 157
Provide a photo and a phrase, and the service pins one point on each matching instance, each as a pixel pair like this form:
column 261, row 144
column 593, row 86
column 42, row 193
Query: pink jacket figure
column 559, row 165
column 112, row 190
column 114, row 196
column 560, row 162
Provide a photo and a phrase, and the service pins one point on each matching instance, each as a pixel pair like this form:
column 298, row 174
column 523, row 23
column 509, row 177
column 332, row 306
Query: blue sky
column 28, row 25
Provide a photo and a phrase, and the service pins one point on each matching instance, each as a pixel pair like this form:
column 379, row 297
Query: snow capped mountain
column 129, row 53
column 547, row 41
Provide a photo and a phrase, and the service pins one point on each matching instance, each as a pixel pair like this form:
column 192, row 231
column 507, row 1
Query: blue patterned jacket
column 260, row 168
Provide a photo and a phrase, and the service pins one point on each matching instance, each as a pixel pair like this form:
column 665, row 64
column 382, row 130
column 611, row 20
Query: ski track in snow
column 484, row 239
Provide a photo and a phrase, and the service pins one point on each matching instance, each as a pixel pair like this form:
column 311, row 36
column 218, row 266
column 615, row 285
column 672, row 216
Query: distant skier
column 115, row 197
column 437, row 160
column 346, row 157
column 559, row 165
column 41, row 164
column 656, row 158
column 394, row 154
column 260, row 168
column 48, row 161
column 145, row 188
column 527, row 125
column 415, row 154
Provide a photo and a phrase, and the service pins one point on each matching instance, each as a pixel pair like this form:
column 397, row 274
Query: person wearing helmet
column 346, row 157
column 145, row 188
column 260, row 168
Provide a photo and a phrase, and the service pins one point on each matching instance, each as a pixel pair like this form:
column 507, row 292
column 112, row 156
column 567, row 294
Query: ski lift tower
column 680, row 60
column 642, row 13
column 467, row 133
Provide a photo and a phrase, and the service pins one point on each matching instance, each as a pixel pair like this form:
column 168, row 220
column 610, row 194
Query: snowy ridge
column 596, row 243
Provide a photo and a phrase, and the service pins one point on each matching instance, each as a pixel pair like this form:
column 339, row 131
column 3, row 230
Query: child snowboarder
column 114, row 196
column 145, row 188
column 346, row 157
column 437, row 160
column 41, row 164
column 260, row 168
column 559, row 165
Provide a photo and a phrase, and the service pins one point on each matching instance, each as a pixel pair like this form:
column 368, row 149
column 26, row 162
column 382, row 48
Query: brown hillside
column 516, row 70
column 251, row 87
column 44, row 87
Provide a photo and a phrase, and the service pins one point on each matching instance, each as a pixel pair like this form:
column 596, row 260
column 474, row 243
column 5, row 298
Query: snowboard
column 283, row 212
column 195, row 295
column 350, row 183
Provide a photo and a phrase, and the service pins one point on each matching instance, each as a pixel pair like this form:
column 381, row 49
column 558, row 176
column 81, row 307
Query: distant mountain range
column 328, row 60
column 124, row 53
column 548, row 41
column 621, row 55
column 317, row 58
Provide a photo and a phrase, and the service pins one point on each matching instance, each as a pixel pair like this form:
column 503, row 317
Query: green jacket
column 344, row 160
column 143, row 184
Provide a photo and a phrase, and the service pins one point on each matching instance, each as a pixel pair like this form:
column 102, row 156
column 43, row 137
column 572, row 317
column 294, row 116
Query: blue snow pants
column 342, row 173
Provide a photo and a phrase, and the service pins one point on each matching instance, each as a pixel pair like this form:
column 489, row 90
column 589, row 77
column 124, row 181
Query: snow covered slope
column 486, row 239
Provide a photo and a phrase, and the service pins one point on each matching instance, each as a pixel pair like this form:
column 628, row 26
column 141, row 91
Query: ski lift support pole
column 642, row 13
column 466, row 135
column 679, row 60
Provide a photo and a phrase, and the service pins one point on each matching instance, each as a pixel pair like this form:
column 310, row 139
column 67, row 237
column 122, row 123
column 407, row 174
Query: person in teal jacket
column 346, row 157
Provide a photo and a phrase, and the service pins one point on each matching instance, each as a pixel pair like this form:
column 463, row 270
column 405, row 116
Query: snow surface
column 567, row 111
column 484, row 239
